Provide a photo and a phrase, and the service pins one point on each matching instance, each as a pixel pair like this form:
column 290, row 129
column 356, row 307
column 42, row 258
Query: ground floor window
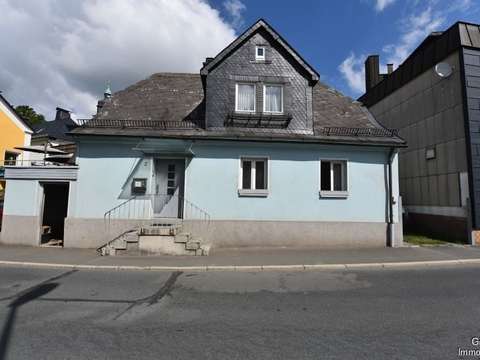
column 253, row 176
column 333, row 178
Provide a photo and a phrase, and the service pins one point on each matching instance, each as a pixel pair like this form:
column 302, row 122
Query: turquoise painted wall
column 212, row 180
column 23, row 197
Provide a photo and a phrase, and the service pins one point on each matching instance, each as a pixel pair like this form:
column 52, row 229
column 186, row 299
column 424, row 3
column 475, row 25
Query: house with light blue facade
column 251, row 151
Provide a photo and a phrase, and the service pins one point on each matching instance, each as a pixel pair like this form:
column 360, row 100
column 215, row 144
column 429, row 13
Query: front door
column 168, row 198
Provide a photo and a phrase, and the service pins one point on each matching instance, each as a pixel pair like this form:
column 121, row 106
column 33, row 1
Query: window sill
column 253, row 193
column 245, row 112
column 273, row 113
column 334, row 194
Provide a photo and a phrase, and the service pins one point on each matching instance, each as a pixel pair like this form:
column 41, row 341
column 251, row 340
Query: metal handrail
column 32, row 163
column 109, row 213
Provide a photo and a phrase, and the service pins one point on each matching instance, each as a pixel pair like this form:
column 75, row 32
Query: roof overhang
column 163, row 148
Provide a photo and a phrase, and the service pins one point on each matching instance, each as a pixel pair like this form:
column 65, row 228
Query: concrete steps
column 164, row 239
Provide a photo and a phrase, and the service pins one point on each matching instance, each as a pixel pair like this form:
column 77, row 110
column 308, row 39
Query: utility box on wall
column 139, row 186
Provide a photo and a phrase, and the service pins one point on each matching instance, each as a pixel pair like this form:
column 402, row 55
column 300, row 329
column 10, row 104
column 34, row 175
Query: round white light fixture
column 443, row 70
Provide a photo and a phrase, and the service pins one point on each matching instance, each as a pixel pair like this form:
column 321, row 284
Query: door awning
column 165, row 148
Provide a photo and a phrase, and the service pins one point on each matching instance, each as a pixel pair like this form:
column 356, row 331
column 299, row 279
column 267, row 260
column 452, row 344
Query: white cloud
column 61, row 53
column 418, row 27
column 380, row 5
column 235, row 9
column 353, row 71
column 423, row 18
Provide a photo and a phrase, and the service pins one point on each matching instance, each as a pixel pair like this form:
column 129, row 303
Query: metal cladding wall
column 277, row 69
column 428, row 111
column 471, row 60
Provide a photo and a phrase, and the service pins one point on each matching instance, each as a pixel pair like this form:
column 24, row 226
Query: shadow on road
column 24, row 298
column 37, row 291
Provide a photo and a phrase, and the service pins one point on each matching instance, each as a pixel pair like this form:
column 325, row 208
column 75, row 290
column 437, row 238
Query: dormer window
column 260, row 53
column 244, row 97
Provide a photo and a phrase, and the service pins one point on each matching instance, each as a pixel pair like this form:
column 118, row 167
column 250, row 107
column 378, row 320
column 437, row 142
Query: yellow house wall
column 10, row 136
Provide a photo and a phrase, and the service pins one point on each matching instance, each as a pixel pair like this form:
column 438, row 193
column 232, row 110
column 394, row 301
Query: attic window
column 260, row 53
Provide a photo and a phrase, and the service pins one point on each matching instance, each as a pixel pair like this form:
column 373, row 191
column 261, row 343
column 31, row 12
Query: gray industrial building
column 433, row 99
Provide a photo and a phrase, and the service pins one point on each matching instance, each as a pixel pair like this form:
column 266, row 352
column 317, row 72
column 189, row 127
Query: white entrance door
column 169, row 178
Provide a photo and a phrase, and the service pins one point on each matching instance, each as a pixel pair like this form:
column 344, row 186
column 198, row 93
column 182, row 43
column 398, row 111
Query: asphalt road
column 369, row 314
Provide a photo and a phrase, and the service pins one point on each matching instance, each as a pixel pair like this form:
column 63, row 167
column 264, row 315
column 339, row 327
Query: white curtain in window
column 245, row 97
column 273, row 99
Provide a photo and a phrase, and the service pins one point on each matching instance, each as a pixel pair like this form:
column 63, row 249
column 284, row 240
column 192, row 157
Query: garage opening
column 55, row 207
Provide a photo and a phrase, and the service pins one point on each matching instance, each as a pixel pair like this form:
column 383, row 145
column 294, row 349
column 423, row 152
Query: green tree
column 28, row 114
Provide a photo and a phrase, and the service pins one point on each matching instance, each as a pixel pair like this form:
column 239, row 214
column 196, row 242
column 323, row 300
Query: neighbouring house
column 39, row 191
column 251, row 151
column 433, row 99
column 14, row 131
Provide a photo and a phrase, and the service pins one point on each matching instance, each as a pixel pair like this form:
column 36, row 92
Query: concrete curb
column 387, row 265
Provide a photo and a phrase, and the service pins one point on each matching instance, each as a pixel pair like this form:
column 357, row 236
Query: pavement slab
column 236, row 259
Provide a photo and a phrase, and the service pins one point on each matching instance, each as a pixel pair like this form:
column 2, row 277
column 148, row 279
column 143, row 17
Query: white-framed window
column 273, row 99
column 333, row 178
column 245, row 97
column 253, row 176
column 260, row 53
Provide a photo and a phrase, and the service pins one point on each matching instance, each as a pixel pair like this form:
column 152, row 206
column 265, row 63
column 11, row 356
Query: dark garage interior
column 55, row 206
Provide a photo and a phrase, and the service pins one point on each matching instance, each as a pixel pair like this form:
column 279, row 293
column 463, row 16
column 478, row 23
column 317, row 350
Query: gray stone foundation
column 90, row 233
column 20, row 230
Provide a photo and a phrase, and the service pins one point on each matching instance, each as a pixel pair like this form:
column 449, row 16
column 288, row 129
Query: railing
column 28, row 163
column 258, row 120
column 138, row 124
column 364, row 132
column 158, row 210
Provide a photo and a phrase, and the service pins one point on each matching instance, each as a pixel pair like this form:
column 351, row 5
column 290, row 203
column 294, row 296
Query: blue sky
column 62, row 53
column 329, row 33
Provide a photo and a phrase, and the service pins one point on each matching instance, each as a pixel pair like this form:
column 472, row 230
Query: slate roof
column 333, row 109
column 436, row 47
column 177, row 100
column 261, row 23
column 56, row 129
column 164, row 96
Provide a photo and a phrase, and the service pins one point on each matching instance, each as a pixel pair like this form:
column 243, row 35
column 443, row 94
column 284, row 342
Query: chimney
column 100, row 104
column 372, row 71
column 207, row 60
column 389, row 68
column 62, row 114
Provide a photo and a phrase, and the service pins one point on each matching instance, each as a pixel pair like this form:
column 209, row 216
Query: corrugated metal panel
column 464, row 38
column 42, row 173
column 474, row 34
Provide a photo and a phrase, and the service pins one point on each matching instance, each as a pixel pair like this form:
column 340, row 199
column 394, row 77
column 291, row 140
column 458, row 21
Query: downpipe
column 390, row 225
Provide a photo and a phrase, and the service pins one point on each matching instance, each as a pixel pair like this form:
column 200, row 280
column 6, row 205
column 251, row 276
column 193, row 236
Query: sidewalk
column 241, row 259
